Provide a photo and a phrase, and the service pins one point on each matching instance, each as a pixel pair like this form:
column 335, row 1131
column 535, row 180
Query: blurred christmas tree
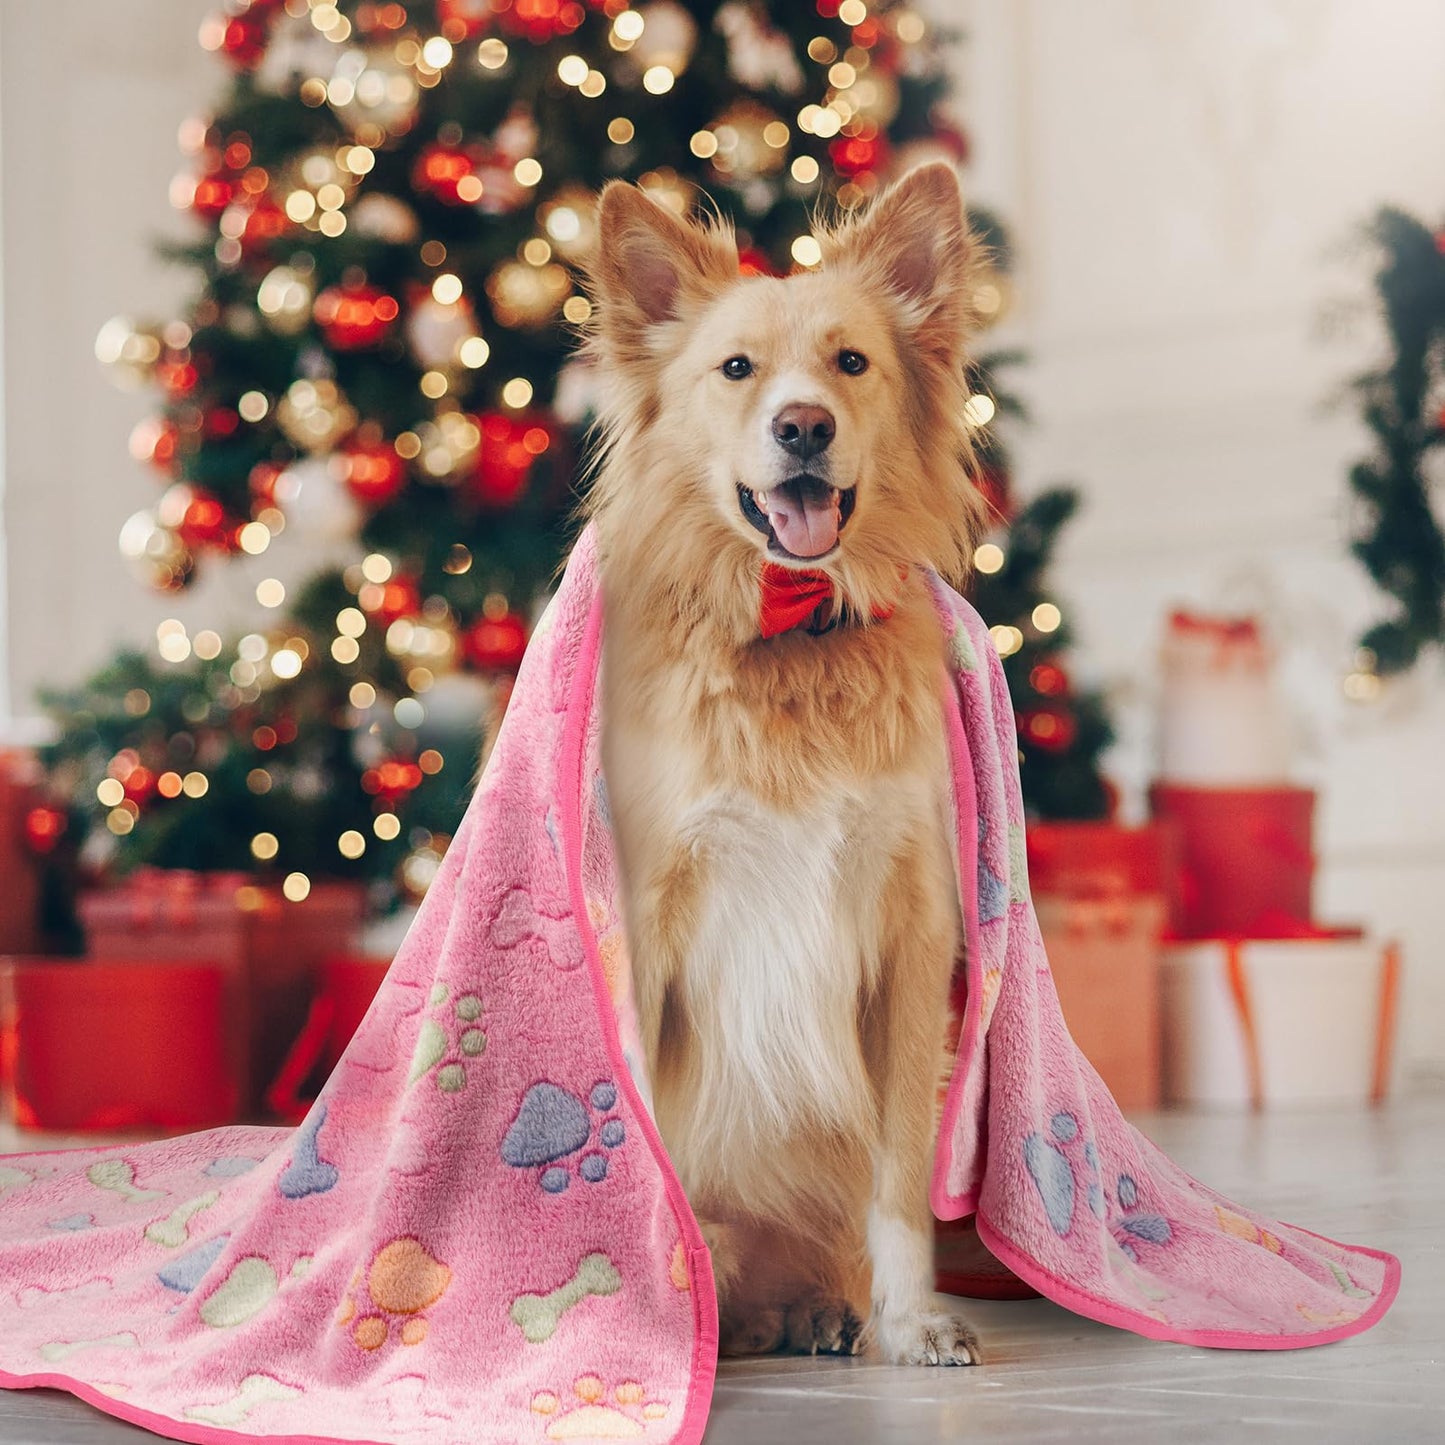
column 1062, row 731
column 1399, row 539
column 375, row 374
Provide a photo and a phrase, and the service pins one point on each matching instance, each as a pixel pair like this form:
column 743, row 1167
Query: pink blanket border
column 1080, row 1302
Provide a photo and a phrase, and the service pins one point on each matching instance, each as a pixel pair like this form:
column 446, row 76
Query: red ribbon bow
column 791, row 597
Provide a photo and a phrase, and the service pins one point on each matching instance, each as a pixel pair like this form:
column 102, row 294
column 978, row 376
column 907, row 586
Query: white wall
column 89, row 109
column 1179, row 176
column 1183, row 180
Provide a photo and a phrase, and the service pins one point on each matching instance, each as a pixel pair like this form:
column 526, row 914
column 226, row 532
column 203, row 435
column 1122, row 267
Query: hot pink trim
column 965, row 794
column 699, row 1261
column 1094, row 1308
column 192, row 1434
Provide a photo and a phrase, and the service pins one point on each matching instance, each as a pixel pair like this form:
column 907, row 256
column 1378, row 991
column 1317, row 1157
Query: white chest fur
column 788, row 939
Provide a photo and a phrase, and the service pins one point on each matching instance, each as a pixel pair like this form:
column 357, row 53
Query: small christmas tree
column 1399, row 539
column 375, row 374
column 1062, row 731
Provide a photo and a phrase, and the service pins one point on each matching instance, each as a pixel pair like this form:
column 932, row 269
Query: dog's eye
column 854, row 363
column 735, row 368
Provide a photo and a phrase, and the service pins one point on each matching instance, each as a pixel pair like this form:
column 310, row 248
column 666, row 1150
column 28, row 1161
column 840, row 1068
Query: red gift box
column 1098, row 860
column 1246, row 860
column 268, row 946
column 116, row 1046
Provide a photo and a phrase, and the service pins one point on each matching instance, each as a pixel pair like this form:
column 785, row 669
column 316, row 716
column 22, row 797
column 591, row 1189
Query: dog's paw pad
column 821, row 1325
column 929, row 1339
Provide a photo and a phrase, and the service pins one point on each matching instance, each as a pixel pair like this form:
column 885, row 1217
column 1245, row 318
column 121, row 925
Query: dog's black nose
column 804, row 430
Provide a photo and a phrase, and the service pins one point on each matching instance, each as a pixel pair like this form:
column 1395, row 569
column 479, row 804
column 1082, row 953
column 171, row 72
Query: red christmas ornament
column 1049, row 679
column 541, row 20
column 139, row 785
column 945, row 133
column 388, row 601
column 203, row 524
column 243, row 41
column 177, row 374
column 994, row 484
column 392, row 779
column 356, row 316
column 853, row 155
column 753, row 262
column 868, row 33
column 372, row 471
column 156, row 440
column 496, row 644
column 219, row 421
column 212, row 195
column 463, row 19
column 447, row 173
column 262, row 481
column 509, row 446
column 1050, row 729
column 44, row 828
column 265, row 223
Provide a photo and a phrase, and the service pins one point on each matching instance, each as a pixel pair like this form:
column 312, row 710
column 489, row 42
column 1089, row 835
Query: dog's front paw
column 932, row 1338
column 821, row 1324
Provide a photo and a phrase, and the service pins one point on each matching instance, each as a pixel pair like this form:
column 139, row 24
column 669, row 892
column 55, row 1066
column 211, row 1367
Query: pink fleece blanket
column 476, row 1237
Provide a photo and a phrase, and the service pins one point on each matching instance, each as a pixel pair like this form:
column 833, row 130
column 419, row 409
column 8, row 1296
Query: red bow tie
column 791, row 597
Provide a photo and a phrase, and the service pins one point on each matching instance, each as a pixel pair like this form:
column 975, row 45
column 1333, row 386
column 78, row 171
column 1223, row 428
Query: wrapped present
column 1263, row 1023
column 114, row 1046
column 20, row 896
column 1246, row 859
column 173, row 917
column 268, row 946
column 1098, row 860
column 1222, row 720
column 1104, row 954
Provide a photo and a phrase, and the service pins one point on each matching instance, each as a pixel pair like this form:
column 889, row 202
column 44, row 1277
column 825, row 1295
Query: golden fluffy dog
column 780, row 802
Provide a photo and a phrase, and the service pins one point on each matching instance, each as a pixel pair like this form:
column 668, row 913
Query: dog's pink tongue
column 804, row 522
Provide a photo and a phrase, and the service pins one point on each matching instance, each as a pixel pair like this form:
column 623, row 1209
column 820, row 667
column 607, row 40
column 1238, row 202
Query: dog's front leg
column 904, row 1036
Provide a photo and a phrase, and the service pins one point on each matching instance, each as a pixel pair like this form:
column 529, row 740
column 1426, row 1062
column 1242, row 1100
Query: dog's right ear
column 650, row 268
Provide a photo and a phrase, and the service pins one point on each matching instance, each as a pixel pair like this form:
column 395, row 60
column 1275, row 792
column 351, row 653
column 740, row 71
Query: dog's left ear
column 915, row 241
column 650, row 269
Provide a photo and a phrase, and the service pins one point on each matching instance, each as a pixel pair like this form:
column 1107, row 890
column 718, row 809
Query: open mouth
column 801, row 518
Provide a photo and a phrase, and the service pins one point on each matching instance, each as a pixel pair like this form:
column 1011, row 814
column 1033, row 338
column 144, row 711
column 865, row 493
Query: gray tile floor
column 1377, row 1178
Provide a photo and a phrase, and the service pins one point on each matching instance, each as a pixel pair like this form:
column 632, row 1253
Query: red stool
column 345, row 988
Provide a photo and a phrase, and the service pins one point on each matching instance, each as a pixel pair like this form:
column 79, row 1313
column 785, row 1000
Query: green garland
column 1401, row 542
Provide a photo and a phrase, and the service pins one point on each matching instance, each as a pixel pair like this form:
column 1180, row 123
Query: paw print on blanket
column 624, row 1413
column 461, row 1020
column 553, row 1124
column 1065, row 1169
column 546, row 928
column 1243, row 1228
column 403, row 1280
column 1010, row 884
